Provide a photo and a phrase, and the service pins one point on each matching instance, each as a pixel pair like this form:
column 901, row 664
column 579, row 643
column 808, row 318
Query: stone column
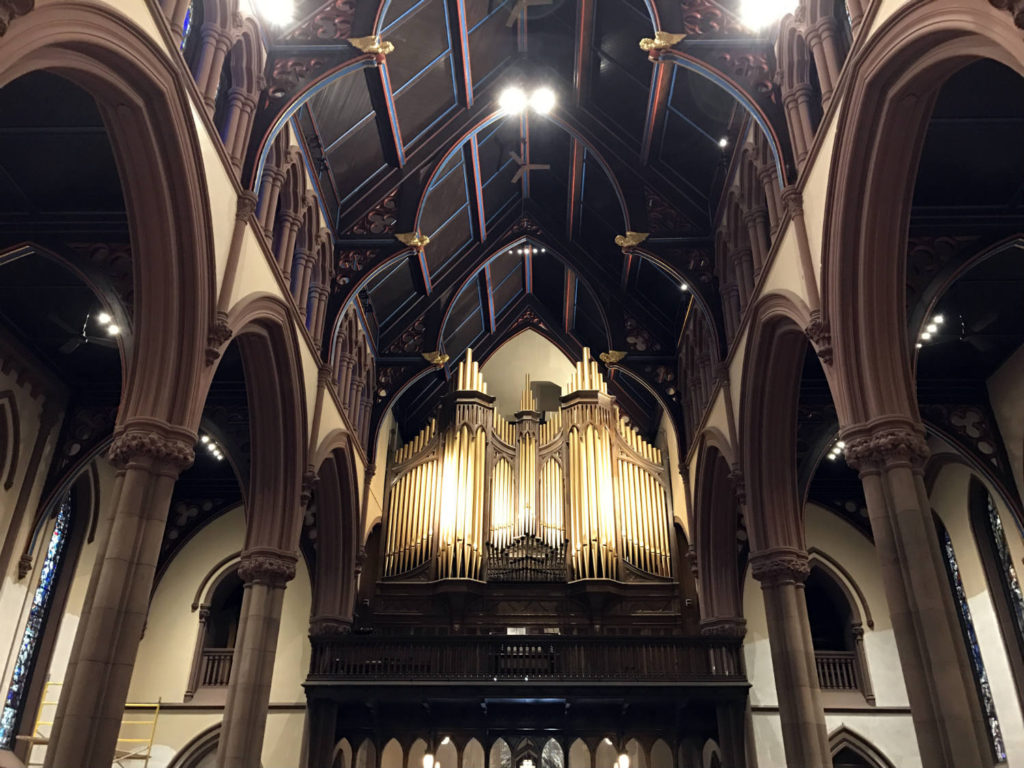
column 773, row 196
column 265, row 572
column 286, row 245
column 149, row 457
column 345, row 381
column 890, row 455
column 322, row 723
column 796, row 128
column 782, row 572
column 760, row 244
column 270, row 190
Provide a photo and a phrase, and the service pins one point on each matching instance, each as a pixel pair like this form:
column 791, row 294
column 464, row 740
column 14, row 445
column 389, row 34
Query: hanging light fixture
column 277, row 12
column 758, row 14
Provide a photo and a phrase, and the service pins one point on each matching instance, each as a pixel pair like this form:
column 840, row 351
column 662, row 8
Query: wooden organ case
column 575, row 502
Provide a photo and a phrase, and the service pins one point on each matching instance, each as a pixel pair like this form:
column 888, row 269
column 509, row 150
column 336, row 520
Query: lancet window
column 35, row 624
column 988, row 707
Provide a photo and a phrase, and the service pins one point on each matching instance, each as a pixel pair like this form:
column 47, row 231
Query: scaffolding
column 134, row 738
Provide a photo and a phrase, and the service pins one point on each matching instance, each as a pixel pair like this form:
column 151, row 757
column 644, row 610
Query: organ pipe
column 577, row 493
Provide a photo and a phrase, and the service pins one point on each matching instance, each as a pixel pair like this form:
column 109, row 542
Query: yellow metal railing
column 131, row 747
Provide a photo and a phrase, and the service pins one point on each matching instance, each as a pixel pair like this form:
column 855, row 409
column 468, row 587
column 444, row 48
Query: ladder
column 134, row 739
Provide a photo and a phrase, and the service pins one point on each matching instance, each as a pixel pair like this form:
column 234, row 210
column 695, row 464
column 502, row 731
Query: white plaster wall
column 949, row 498
column 165, row 654
column 668, row 442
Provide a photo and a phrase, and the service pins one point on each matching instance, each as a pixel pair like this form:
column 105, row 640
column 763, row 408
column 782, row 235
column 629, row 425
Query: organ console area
column 560, row 496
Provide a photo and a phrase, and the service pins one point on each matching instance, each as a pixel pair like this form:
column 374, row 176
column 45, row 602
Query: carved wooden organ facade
column 570, row 495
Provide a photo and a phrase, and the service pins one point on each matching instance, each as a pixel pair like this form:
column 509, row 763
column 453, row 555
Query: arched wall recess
column 846, row 738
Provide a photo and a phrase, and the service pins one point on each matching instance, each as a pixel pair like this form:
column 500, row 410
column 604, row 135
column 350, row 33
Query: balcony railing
column 216, row 669
column 837, row 670
column 525, row 659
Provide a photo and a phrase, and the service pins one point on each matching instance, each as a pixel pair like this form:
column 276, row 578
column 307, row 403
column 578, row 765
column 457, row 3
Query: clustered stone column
column 265, row 572
column 782, row 572
column 890, row 455
column 149, row 457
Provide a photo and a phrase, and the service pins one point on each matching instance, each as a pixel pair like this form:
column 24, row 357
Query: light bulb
column 279, row 12
column 758, row 14
column 542, row 100
column 939, row 319
column 512, row 100
column 684, row 287
column 103, row 318
column 428, row 760
column 932, row 328
column 113, row 330
column 926, row 335
column 204, row 439
column 723, row 142
column 623, row 760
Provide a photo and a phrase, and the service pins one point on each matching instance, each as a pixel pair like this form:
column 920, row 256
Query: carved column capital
column 220, row 334
column 873, row 448
column 779, row 565
column 168, row 447
column 309, row 480
column 11, row 9
column 327, row 627
column 818, row 333
column 246, row 205
column 273, row 567
column 724, row 628
column 794, row 201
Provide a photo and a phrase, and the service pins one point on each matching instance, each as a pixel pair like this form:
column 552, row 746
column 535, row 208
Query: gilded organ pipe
column 576, row 493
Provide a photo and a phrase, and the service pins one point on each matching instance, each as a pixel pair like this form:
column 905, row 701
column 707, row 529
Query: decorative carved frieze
column 290, row 72
column 411, row 340
column 928, row 258
column 780, row 565
column 725, row 628
column 24, row 565
column 133, row 443
column 705, row 17
column 11, row 9
column 886, row 447
column 639, row 339
column 662, row 217
column 379, row 220
column 327, row 627
column 351, row 264
column 272, row 567
column 332, row 21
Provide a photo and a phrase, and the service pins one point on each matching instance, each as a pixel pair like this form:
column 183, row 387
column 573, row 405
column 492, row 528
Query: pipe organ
column 569, row 495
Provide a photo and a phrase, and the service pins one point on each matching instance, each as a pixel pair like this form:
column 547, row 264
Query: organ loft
column 531, row 561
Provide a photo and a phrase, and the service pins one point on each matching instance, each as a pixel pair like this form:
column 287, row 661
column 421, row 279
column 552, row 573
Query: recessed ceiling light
column 104, row 318
column 723, row 142
column 684, row 287
column 543, row 100
column 512, row 100
column 919, row 345
column 278, row 12
column 758, row 14
column 939, row 319
column 932, row 328
column 113, row 330
column 543, row 250
column 926, row 336
column 204, row 439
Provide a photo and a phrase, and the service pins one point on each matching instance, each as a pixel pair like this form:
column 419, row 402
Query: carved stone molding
column 272, row 567
column 726, row 628
column 887, row 447
column 11, row 9
column 818, row 333
column 327, row 627
column 778, row 566
column 332, row 21
column 132, row 443
column 309, row 480
column 24, row 565
column 1014, row 7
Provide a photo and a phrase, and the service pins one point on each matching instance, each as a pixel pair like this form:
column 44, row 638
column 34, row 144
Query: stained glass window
column 1011, row 584
column 988, row 706
column 35, row 625
column 186, row 26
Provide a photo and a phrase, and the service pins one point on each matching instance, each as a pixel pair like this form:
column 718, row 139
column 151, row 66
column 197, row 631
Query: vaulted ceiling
column 519, row 212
